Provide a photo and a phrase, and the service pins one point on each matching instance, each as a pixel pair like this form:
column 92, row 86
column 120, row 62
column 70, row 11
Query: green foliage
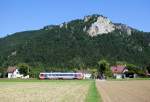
column 133, row 69
column 2, row 72
column 104, row 68
column 94, row 73
column 108, row 72
column 23, row 68
column 121, row 63
column 103, row 64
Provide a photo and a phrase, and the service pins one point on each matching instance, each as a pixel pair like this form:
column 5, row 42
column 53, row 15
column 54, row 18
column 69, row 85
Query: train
column 60, row 75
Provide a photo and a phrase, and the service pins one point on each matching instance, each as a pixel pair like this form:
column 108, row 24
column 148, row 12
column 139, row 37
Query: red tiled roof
column 118, row 69
column 11, row 69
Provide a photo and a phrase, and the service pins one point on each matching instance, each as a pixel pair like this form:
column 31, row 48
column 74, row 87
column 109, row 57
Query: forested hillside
column 69, row 46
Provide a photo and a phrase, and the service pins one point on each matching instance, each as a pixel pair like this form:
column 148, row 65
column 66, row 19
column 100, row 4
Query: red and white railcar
column 60, row 75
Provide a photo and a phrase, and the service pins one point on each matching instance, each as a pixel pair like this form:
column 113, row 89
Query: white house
column 13, row 72
column 119, row 71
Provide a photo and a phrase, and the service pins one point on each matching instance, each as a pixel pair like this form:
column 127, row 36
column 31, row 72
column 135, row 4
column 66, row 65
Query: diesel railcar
column 60, row 75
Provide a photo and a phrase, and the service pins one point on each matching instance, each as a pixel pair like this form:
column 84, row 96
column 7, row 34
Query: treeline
column 101, row 69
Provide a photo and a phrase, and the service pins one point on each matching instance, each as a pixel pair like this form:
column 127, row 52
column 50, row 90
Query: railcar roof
column 58, row 73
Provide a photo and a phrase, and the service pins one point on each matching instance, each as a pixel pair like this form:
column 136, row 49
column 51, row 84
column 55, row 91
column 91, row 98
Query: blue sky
column 22, row 15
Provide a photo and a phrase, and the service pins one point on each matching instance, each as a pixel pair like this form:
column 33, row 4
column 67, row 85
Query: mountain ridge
column 71, row 45
column 101, row 19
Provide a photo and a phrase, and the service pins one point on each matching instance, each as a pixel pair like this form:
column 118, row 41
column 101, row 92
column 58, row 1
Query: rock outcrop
column 102, row 26
column 124, row 28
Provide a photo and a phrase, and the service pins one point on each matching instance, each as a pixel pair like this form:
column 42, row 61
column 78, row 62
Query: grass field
column 48, row 91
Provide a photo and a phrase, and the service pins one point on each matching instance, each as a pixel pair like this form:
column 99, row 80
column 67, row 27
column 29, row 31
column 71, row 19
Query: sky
column 23, row 15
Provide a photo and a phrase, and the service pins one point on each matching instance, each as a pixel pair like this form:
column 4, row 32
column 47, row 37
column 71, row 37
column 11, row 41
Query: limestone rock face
column 63, row 25
column 87, row 18
column 124, row 28
column 49, row 27
column 101, row 26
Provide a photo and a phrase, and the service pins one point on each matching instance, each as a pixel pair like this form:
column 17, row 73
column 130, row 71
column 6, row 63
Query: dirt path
column 124, row 91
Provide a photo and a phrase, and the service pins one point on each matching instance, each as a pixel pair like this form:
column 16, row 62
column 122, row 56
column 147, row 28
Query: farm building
column 13, row 72
column 119, row 71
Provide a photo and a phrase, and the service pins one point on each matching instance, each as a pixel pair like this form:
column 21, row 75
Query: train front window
column 42, row 75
